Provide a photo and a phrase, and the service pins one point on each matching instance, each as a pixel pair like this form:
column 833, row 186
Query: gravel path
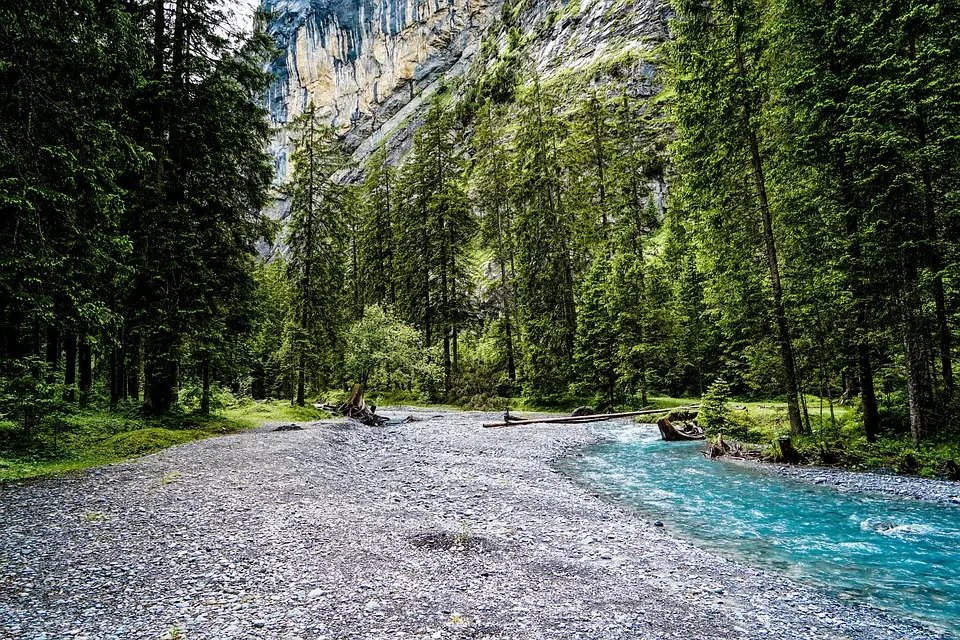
column 436, row 529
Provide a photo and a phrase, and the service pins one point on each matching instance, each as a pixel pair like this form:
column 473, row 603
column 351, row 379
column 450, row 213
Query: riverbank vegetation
column 77, row 438
column 769, row 197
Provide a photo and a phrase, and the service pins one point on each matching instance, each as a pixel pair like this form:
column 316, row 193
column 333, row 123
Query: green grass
column 252, row 414
column 839, row 441
column 94, row 437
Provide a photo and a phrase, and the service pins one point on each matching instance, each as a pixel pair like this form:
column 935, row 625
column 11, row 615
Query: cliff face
column 361, row 61
column 368, row 65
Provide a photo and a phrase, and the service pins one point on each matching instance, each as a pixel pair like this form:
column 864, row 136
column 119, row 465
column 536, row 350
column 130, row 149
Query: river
column 896, row 554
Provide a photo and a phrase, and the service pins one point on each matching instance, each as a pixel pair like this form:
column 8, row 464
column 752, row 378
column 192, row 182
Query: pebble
column 344, row 531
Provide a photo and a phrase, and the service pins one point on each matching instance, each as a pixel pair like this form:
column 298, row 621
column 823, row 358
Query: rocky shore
column 877, row 483
column 432, row 529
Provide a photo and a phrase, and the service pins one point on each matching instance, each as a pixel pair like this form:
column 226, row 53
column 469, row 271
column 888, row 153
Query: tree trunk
column 301, row 378
column 780, row 315
column 134, row 364
column 917, row 390
column 445, row 310
column 70, row 370
column 159, row 383
column 770, row 246
column 160, row 372
column 120, row 375
column 205, row 396
column 932, row 250
column 113, row 364
column 85, row 365
column 53, row 353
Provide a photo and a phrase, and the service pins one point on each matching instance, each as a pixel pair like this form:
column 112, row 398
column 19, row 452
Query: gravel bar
column 435, row 529
column 889, row 484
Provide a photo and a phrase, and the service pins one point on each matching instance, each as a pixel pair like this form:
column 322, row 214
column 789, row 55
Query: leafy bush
column 384, row 353
column 192, row 394
column 27, row 398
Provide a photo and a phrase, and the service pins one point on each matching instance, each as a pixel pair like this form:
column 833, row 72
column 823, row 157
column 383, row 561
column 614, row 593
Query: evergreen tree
column 437, row 230
column 719, row 73
column 490, row 193
column 377, row 269
column 544, row 246
column 317, row 258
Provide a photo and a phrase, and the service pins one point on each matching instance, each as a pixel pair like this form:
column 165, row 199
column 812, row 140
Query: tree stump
column 788, row 453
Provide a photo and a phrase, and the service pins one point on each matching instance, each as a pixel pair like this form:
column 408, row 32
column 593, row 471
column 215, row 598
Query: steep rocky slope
column 369, row 65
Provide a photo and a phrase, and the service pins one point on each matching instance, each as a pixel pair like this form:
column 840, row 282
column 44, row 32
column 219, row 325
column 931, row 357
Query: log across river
column 900, row 555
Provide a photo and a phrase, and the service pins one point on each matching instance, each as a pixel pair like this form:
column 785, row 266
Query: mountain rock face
column 369, row 65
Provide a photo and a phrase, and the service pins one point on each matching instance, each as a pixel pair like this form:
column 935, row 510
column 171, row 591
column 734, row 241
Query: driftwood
column 510, row 421
column 671, row 433
column 720, row 448
column 357, row 409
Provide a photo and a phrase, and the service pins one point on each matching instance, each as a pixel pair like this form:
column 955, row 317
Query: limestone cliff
column 362, row 61
column 368, row 65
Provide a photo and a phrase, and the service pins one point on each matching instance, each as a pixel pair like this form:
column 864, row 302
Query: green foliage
column 77, row 439
column 714, row 411
column 385, row 354
column 316, row 264
column 777, row 209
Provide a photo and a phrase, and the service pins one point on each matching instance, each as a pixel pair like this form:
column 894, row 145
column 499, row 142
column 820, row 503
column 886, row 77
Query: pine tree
column 436, row 228
column 718, row 72
column 318, row 253
column 596, row 352
column 377, row 270
column 490, row 193
column 544, row 246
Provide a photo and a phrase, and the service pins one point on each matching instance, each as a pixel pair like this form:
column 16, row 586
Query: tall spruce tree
column 545, row 279
column 719, row 73
column 491, row 196
column 317, row 259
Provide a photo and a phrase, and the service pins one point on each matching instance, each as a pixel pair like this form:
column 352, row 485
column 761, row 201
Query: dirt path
column 434, row 529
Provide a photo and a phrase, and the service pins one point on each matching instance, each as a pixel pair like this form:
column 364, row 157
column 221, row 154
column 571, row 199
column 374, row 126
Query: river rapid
column 897, row 554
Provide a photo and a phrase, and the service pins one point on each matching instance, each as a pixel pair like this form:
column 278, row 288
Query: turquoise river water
column 896, row 554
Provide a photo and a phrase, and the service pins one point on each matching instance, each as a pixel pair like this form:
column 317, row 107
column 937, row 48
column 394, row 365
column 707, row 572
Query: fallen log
column 671, row 433
column 580, row 419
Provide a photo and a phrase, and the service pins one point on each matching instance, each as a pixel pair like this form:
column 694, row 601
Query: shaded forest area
column 765, row 204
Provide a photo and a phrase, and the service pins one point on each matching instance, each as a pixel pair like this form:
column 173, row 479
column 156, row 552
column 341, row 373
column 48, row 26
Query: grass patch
column 94, row 437
column 144, row 441
column 252, row 414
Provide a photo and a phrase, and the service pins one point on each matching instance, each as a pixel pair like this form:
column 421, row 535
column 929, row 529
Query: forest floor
column 835, row 437
column 435, row 529
column 81, row 438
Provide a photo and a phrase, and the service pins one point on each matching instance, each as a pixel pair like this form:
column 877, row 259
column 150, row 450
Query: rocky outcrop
column 362, row 61
column 369, row 65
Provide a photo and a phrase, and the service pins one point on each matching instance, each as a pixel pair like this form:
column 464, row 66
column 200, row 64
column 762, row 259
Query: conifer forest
column 764, row 205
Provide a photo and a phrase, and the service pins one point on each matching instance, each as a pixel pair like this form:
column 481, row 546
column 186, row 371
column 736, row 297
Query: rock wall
column 368, row 65
column 361, row 61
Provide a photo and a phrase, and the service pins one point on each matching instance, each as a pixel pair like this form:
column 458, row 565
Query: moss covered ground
column 78, row 439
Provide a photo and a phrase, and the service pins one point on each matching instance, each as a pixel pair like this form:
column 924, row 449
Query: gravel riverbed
column 877, row 483
column 436, row 529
